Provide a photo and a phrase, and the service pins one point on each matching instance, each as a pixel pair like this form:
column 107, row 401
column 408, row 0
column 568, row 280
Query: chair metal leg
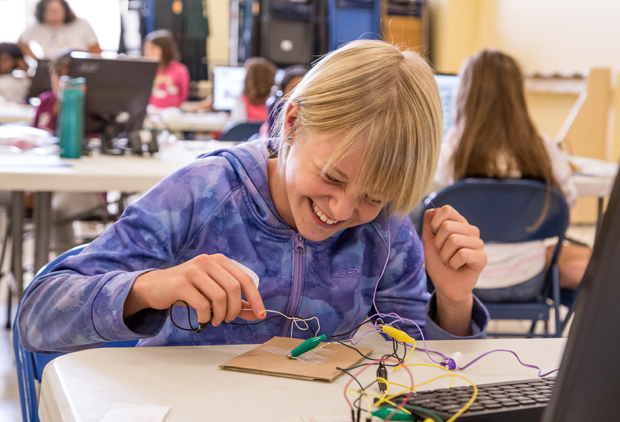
column 17, row 233
column 5, row 242
column 43, row 224
column 9, row 307
column 530, row 334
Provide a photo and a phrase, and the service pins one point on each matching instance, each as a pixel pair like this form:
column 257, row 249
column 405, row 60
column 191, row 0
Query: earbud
column 453, row 362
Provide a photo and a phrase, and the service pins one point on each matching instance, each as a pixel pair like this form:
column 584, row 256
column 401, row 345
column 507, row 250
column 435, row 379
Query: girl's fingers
column 456, row 242
column 474, row 259
column 450, row 227
column 231, row 287
column 249, row 289
column 196, row 300
column 246, row 311
column 442, row 214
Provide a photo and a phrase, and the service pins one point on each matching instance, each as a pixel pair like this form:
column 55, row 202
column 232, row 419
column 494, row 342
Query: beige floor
column 9, row 396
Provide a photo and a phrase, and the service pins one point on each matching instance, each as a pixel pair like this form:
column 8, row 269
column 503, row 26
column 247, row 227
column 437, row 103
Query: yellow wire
column 386, row 401
column 413, row 343
column 387, row 388
column 364, row 395
column 434, row 366
column 456, row 415
column 469, row 403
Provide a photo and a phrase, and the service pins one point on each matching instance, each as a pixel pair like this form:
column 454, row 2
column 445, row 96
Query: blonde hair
column 382, row 100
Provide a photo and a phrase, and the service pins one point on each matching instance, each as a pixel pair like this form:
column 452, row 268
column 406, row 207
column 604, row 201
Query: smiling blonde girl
column 317, row 214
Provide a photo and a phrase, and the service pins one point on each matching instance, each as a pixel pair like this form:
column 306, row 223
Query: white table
column 191, row 122
column 82, row 386
column 161, row 120
column 594, row 178
column 10, row 113
column 88, row 174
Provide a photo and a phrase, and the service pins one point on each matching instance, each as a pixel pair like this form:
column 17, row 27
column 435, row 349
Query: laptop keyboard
column 505, row 401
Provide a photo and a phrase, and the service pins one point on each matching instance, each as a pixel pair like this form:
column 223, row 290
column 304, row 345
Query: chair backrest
column 506, row 210
column 241, row 132
column 30, row 365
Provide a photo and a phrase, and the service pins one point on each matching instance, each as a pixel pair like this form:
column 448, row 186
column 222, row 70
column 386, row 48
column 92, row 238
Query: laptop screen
column 227, row 86
column 588, row 385
column 447, row 85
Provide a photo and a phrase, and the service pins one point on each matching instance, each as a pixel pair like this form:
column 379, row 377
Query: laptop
column 588, row 386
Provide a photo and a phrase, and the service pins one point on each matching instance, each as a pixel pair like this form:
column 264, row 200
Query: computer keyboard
column 513, row 401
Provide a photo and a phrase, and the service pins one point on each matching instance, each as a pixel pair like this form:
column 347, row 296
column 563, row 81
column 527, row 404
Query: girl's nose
column 342, row 206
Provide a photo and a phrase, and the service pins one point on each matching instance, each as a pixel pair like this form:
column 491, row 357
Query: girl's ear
column 290, row 119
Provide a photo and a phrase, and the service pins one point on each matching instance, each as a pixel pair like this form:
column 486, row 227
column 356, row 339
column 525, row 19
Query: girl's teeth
column 322, row 216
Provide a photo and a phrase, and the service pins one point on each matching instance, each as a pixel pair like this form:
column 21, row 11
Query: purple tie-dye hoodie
column 220, row 203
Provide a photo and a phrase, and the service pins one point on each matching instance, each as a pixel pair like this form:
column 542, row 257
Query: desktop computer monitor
column 447, row 85
column 41, row 80
column 227, row 86
column 117, row 92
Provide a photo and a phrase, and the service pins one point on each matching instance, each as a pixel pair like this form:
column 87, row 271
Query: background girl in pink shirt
column 171, row 85
column 259, row 79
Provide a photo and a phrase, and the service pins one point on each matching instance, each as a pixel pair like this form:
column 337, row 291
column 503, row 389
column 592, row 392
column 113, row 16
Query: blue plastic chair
column 505, row 211
column 30, row 365
column 240, row 132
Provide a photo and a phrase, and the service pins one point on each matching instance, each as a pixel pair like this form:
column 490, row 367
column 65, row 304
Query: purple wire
column 398, row 318
column 515, row 355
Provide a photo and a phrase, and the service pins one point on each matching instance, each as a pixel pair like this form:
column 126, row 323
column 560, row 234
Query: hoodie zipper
column 298, row 268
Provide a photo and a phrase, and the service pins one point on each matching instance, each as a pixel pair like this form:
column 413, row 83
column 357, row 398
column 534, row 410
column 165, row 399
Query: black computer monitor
column 41, row 80
column 587, row 386
column 117, row 92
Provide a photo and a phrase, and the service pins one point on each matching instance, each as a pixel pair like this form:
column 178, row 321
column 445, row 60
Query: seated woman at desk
column 495, row 137
column 171, row 85
column 319, row 214
column 57, row 29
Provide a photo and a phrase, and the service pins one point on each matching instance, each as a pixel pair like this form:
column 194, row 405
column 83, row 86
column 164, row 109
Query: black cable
column 189, row 320
column 350, row 331
column 346, row 371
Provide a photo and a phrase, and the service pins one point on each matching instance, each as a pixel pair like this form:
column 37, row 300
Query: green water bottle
column 70, row 125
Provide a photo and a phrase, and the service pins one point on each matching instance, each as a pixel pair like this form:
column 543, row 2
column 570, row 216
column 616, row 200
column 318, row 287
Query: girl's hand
column 211, row 284
column 454, row 258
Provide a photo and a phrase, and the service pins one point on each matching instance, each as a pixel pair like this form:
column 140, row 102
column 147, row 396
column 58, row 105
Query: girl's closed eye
column 372, row 201
column 330, row 179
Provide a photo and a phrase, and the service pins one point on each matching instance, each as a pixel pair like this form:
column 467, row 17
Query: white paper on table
column 135, row 413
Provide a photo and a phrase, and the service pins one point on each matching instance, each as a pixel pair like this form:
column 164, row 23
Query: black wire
column 350, row 331
column 346, row 371
column 188, row 319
